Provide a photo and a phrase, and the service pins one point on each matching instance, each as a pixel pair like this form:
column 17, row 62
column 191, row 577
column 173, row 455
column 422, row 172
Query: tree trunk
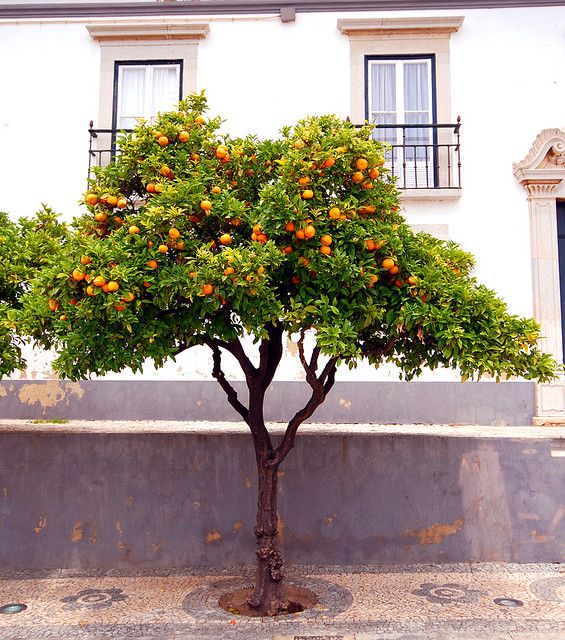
column 268, row 597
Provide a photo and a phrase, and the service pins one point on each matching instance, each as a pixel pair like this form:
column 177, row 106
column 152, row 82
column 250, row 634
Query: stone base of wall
column 101, row 495
column 484, row 403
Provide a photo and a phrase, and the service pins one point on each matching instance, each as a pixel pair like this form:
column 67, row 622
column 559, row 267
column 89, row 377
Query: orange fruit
column 262, row 238
column 183, row 136
column 105, row 288
column 85, row 259
column 146, row 284
column 133, row 230
column 326, row 240
column 78, row 274
column 341, row 150
column 205, row 205
column 303, row 262
column 309, row 231
column 100, row 216
column 162, row 141
column 254, row 236
column 118, row 221
column 370, row 245
column 216, row 189
column 304, row 180
column 174, row 233
column 373, row 278
column 295, row 279
column 228, row 271
column 92, row 199
column 361, row 164
column 128, row 297
column 357, row 176
column 73, row 301
column 63, row 317
column 367, row 185
column 235, row 222
column 53, row 304
column 300, row 234
column 326, row 250
column 394, row 270
column 221, row 152
column 287, row 249
column 412, row 279
column 199, row 120
column 374, row 173
column 225, row 239
column 289, row 226
column 152, row 264
column 257, row 228
column 334, row 213
column 307, row 194
column 162, row 248
column 119, row 306
column 90, row 291
column 329, row 162
column 113, row 286
column 112, row 201
column 122, row 203
column 166, row 171
column 99, row 281
column 388, row 263
column 207, row 289
column 299, row 144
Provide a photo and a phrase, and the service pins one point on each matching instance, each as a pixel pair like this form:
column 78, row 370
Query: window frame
column 431, row 57
column 139, row 63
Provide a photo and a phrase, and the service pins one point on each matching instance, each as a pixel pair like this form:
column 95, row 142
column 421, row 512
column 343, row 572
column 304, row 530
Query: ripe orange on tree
column 289, row 226
column 183, row 136
column 326, row 250
column 85, row 259
column 113, row 286
column 216, row 189
column 357, row 177
column 152, row 264
column 92, row 199
column 329, row 162
column 100, row 216
column 133, row 229
column 225, row 239
column 304, row 180
column 361, row 164
column 122, row 203
column 162, row 141
column 128, row 297
column 199, row 120
column 309, row 231
column 78, row 275
column 394, row 270
column 53, row 304
column 307, row 194
column 205, row 205
column 228, row 271
column 326, row 240
column 162, row 248
column 374, row 173
column 119, row 306
column 99, row 281
column 334, row 213
column 207, row 289
column 90, row 291
column 300, row 234
column 174, row 233
column 388, row 263
column 112, row 201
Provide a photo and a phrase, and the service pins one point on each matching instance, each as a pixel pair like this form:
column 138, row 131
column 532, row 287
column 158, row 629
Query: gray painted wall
column 103, row 500
column 484, row 403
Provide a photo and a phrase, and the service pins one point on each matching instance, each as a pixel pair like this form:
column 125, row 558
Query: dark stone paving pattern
column 411, row 602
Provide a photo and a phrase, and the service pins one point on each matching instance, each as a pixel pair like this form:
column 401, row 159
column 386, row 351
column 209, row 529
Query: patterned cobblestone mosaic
column 432, row 602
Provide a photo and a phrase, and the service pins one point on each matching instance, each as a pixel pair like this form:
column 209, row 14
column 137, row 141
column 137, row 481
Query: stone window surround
column 404, row 36
column 542, row 174
column 144, row 40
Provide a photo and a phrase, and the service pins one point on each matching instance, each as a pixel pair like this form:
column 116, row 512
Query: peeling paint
column 346, row 404
column 529, row 516
column 434, row 534
column 130, row 501
column 78, row 532
column 199, row 403
column 237, row 526
column 540, row 537
column 559, row 515
column 50, row 393
column 281, row 474
column 329, row 520
column 121, row 546
column 213, row 536
column 291, row 347
column 196, row 504
column 119, row 528
column 5, row 491
column 41, row 524
column 248, row 483
column 281, row 528
column 307, row 537
column 157, row 546
column 3, row 392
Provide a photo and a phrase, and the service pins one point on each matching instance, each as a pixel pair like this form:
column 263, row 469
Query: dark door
column 561, row 248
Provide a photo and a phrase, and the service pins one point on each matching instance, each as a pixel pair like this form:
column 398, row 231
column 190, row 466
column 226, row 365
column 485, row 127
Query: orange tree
column 193, row 238
column 25, row 247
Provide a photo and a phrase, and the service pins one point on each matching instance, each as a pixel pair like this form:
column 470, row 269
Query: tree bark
column 268, row 596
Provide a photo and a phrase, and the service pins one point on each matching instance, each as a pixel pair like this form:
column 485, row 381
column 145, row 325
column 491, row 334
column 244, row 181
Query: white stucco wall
column 507, row 84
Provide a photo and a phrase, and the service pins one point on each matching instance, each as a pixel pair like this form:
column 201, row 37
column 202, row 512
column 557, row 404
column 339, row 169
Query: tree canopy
column 193, row 237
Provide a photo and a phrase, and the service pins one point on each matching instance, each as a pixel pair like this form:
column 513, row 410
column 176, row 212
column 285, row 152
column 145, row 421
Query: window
column 400, row 74
column 402, row 91
column 143, row 89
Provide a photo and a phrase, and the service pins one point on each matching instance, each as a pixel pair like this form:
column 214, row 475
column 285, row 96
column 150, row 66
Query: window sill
column 430, row 195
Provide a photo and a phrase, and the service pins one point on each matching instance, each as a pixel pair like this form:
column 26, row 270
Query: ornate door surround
column 542, row 174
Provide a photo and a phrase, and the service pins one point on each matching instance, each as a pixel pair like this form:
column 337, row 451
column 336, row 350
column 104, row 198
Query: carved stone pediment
column 545, row 160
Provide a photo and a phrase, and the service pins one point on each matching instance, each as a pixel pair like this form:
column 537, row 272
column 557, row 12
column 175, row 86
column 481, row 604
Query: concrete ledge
column 156, row 495
column 483, row 403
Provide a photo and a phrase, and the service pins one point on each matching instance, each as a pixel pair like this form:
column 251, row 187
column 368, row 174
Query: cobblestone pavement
column 410, row 602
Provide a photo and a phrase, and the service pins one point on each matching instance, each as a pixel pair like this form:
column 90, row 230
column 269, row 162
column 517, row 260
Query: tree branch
column 270, row 353
column 236, row 349
column 321, row 386
column 218, row 373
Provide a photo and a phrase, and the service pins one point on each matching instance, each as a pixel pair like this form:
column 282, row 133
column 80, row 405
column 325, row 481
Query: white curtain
column 416, row 107
column 131, row 96
column 383, row 99
column 165, row 89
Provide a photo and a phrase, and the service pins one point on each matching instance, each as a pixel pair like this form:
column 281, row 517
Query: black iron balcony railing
column 421, row 156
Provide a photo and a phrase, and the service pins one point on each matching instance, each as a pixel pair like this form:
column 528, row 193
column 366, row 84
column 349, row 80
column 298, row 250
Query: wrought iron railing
column 421, row 156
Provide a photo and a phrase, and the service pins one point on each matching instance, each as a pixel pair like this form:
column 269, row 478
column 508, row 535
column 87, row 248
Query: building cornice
column 147, row 30
column 387, row 26
column 55, row 10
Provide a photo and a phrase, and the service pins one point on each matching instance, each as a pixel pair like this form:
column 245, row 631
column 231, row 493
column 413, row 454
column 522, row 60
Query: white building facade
column 493, row 181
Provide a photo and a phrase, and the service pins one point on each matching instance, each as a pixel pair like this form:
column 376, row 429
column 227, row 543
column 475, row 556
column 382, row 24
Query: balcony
column 424, row 158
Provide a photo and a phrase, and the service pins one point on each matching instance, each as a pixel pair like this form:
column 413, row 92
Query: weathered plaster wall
column 484, row 403
column 105, row 496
